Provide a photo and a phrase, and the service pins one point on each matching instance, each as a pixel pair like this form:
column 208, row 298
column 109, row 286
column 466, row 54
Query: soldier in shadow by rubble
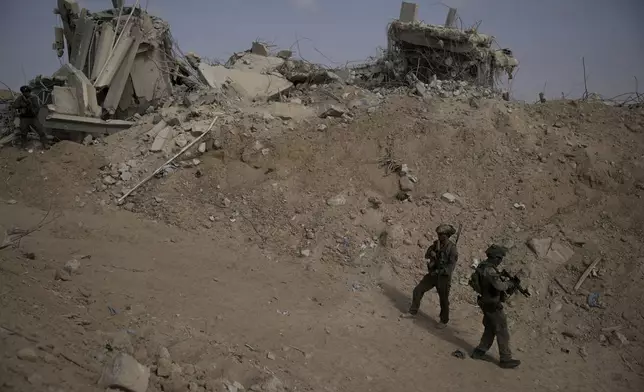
column 27, row 107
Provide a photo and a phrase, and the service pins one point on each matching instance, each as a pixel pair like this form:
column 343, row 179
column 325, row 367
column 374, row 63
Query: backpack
column 475, row 281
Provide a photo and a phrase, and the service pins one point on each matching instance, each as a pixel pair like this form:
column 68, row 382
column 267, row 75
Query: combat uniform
column 28, row 107
column 442, row 261
column 490, row 301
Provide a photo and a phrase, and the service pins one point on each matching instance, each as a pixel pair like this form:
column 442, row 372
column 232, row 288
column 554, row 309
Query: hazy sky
column 549, row 37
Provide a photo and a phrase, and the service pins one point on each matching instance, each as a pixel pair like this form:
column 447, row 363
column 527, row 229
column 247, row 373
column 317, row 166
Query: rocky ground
column 280, row 254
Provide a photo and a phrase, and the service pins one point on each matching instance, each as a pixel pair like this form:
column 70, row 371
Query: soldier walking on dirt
column 492, row 293
column 441, row 258
column 28, row 106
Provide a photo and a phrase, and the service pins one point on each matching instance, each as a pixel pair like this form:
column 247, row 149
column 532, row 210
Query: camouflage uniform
column 442, row 261
column 490, row 301
column 28, row 107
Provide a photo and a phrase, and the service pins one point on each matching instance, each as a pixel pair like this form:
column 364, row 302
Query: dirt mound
column 559, row 183
column 59, row 177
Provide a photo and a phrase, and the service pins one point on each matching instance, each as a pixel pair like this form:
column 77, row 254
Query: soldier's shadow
column 401, row 301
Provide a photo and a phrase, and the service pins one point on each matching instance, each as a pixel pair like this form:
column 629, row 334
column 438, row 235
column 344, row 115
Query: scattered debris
column 583, row 276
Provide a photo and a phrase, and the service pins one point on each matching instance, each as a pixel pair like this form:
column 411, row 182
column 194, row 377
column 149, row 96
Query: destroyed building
column 120, row 62
column 445, row 52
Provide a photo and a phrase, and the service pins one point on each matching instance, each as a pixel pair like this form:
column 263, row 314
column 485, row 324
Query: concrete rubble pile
column 120, row 62
column 6, row 114
column 433, row 57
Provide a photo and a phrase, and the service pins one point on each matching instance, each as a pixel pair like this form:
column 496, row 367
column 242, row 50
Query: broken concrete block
column 259, row 49
column 124, row 372
column 333, row 111
column 285, row 54
column 160, row 139
column 408, row 12
column 64, row 100
column 249, row 85
column 84, row 91
column 258, row 64
column 448, row 197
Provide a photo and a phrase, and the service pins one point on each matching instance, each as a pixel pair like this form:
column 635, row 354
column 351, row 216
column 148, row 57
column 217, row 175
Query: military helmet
column 448, row 230
column 25, row 89
column 495, row 251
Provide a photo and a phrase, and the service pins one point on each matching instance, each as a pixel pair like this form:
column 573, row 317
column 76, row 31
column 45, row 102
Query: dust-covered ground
column 287, row 253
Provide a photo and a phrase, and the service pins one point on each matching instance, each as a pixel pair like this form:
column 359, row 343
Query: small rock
column 406, row 185
column 35, row 379
column 109, row 180
column 337, row 200
column 621, row 338
column 11, row 202
column 448, row 197
column 285, row 54
column 305, row 253
column 126, row 176
column 202, row 148
column 322, row 128
column 181, row 140
column 27, row 354
column 125, row 372
column 556, row 307
column 164, row 367
column 120, row 341
column 375, row 202
column 408, row 241
column 62, row 274
column 333, row 111
column 393, row 237
column 87, row 140
column 49, row 358
column 296, row 101
column 270, row 356
column 129, row 207
column 519, row 206
column 163, row 353
column 270, row 384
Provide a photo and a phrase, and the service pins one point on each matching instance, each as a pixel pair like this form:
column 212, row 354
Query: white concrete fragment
column 156, row 129
column 448, row 197
column 162, row 137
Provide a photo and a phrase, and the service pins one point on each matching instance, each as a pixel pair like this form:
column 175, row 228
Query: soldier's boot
column 478, row 354
column 509, row 363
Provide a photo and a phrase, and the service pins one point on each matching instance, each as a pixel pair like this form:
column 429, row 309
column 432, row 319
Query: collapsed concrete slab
column 249, row 85
column 103, row 47
column 121, row 77
column 94, row 126
column 256, row 63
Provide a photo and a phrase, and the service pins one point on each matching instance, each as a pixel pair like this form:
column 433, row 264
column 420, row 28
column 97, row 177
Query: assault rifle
column 516, row 284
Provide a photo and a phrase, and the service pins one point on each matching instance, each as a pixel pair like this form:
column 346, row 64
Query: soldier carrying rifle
column 441, row 258
column 493, row 290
